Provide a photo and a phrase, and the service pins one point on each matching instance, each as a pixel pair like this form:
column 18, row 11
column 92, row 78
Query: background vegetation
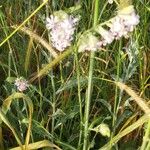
column 52, row 113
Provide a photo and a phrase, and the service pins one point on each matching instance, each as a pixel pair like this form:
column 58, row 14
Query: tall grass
column 75, row 101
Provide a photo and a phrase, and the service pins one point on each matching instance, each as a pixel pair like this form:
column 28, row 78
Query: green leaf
column 102, row 129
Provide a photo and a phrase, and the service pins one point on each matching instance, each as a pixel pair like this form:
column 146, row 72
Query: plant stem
column 117, row 90
column 53, row 85
column 117, row 94
column 126, row 131
column 79, row 97
column 89, row 89
column 23, row 23
column 146, row 137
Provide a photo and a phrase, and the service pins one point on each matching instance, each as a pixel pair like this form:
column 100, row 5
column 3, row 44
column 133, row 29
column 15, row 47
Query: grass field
column 74, row 74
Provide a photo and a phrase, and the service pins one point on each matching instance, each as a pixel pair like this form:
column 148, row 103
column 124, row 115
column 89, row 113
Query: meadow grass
column 74, row 101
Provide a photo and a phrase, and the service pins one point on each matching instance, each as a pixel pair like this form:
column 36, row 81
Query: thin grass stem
column 89, row 89
column 24, row 22
column 53, row 85
column 79, row 96
column 146, row 137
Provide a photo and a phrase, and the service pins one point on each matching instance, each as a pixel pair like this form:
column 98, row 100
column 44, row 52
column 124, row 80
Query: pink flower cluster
column 21, row 84
column 119, row 26
column 123, row 24
column 106, row 36
column 61, row 30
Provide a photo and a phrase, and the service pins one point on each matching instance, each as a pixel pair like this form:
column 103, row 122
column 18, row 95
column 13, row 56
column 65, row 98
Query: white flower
column 99, row 44
column 107, row 36
column 61, row 30
column 88, row 42
column 118, row 28
column 50, row 22
column 110, row 1
column 21, row 84
column 124, row 23
column 130, row 21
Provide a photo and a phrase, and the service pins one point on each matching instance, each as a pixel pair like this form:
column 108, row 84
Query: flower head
column 50, row 22
column 61, row 29
column 88, row 42
column 124, row 23
column 110, row 1
column 21, row 84
column 118, row 28
column 130, row 21
column 106, row 36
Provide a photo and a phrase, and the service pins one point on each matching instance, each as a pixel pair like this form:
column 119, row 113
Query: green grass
column 75, row 101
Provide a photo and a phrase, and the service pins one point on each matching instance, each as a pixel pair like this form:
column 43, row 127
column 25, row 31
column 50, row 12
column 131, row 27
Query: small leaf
column 103, row 129
column 72, row 84
column 10, row 79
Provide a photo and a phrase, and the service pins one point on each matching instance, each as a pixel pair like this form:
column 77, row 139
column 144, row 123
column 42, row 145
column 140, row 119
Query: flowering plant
column 61, row 27
column 21, row 84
